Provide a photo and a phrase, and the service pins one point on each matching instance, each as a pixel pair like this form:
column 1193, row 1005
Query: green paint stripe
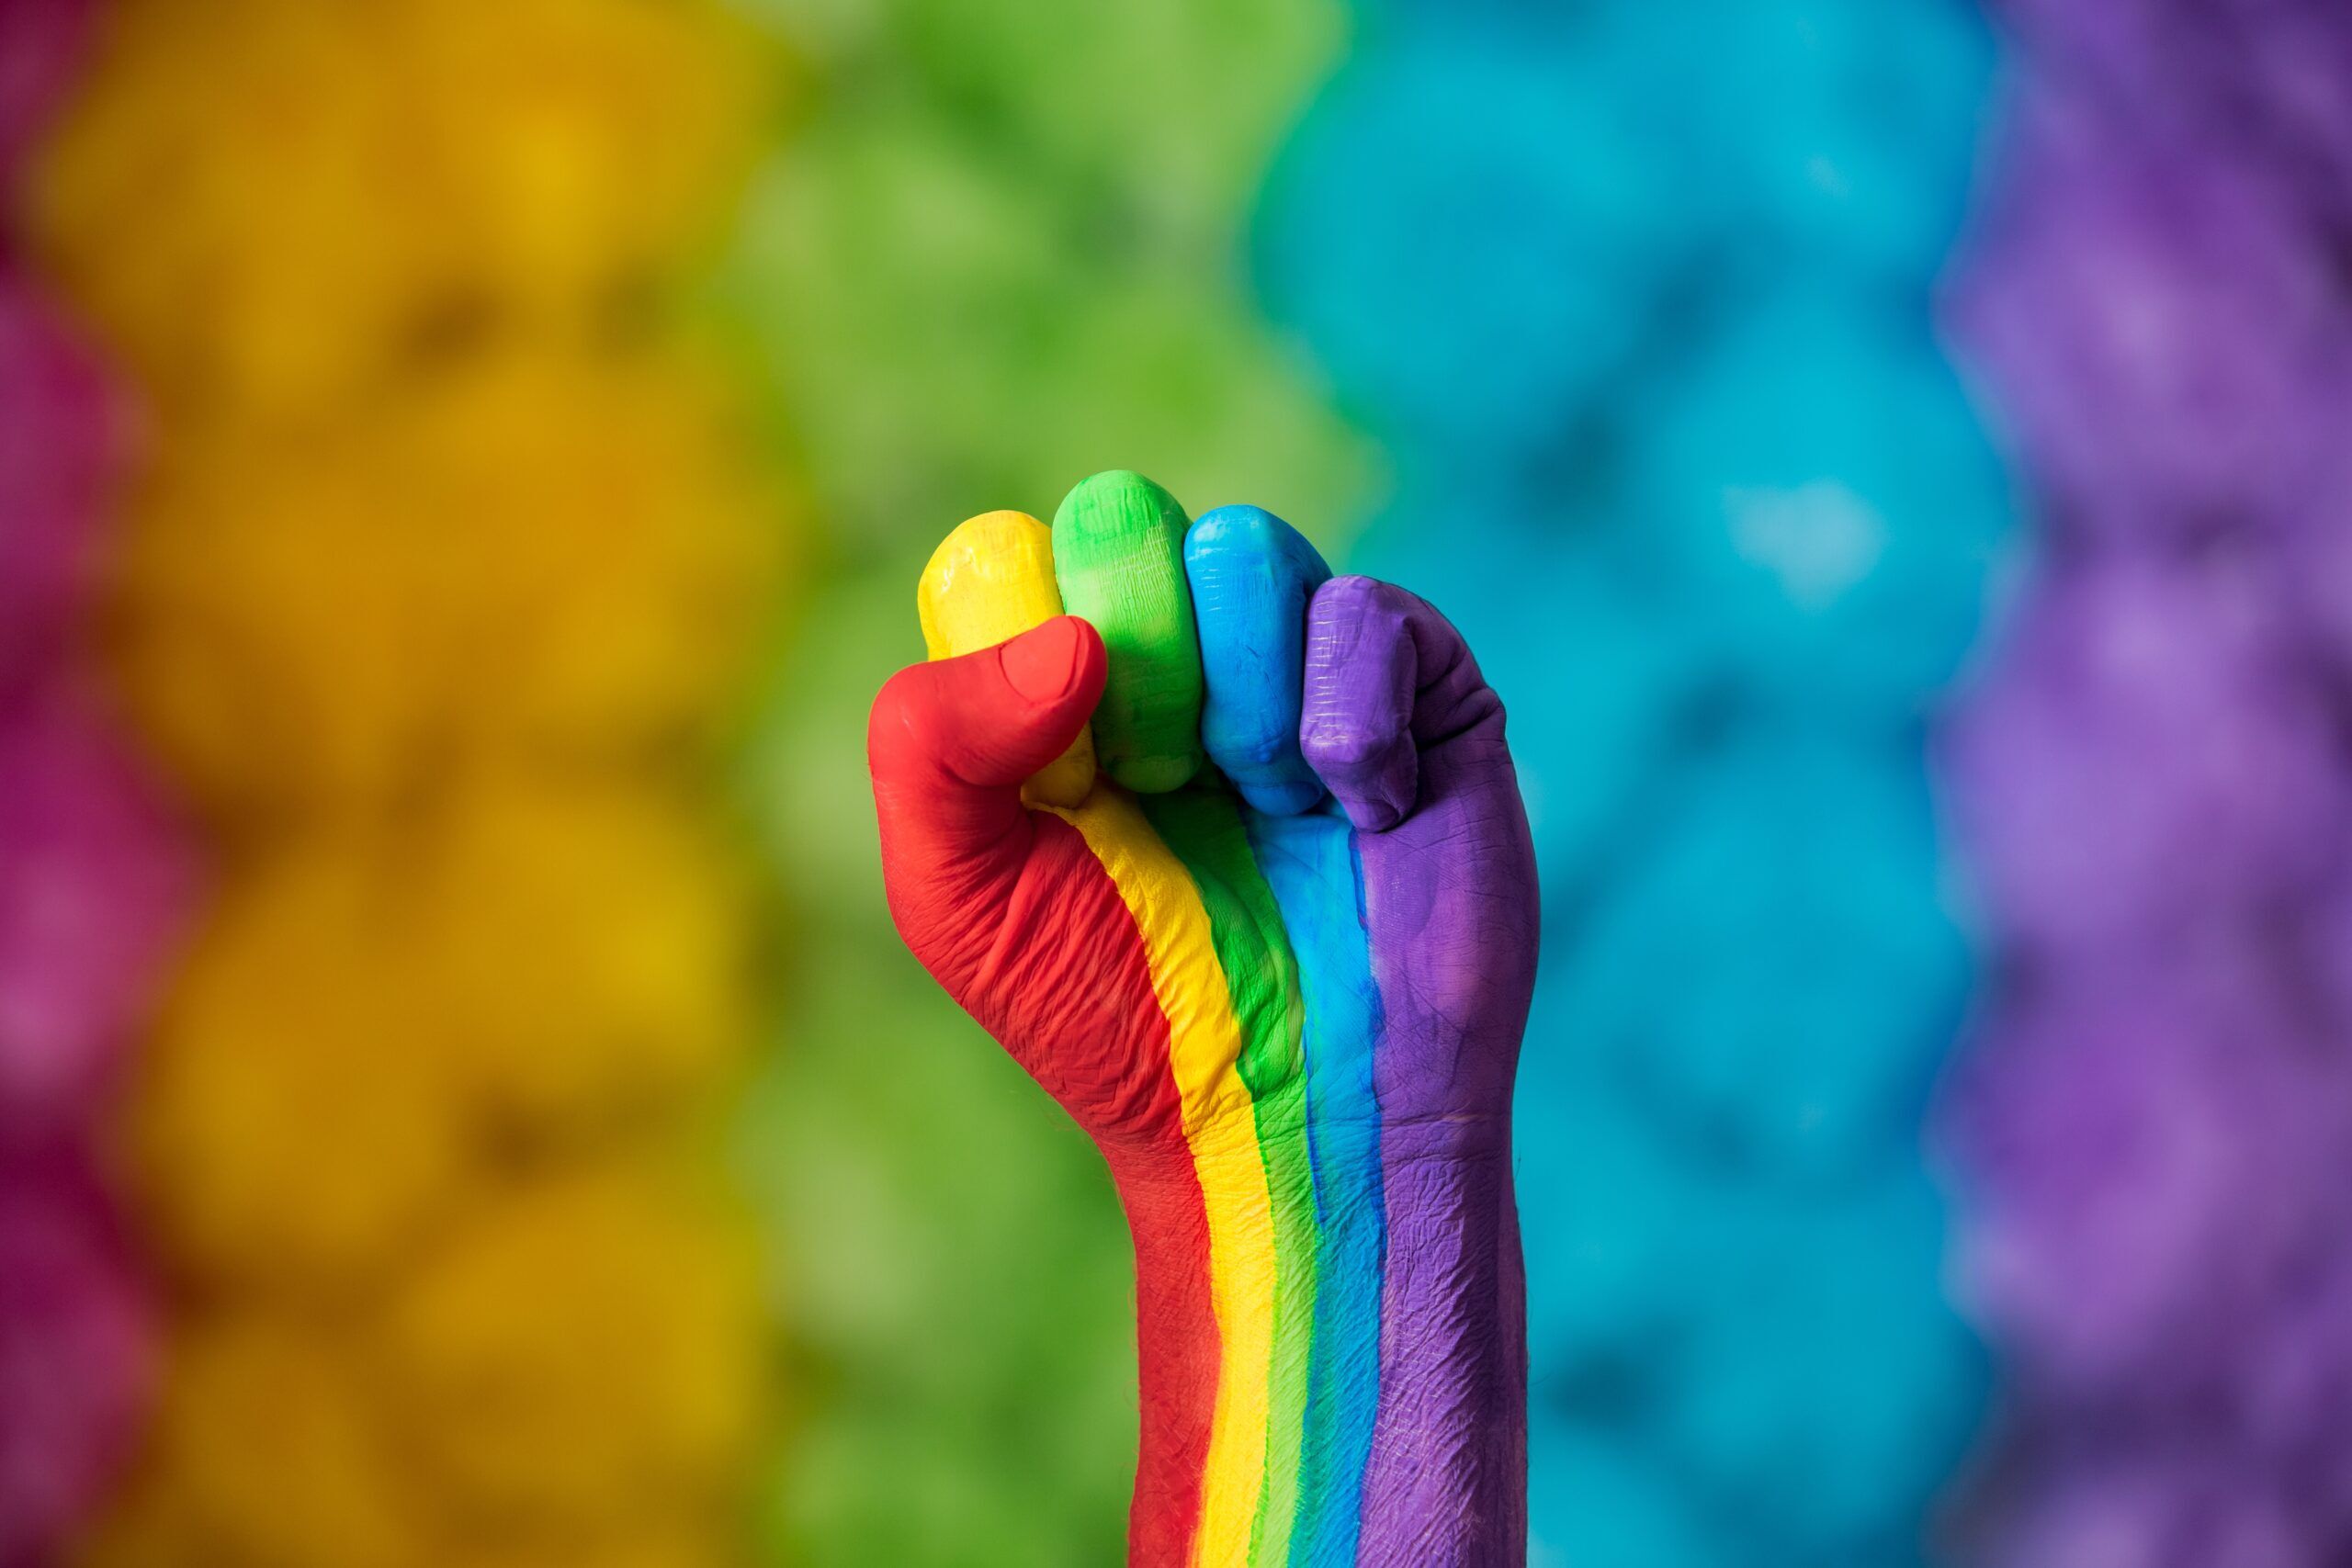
column 1203, row 828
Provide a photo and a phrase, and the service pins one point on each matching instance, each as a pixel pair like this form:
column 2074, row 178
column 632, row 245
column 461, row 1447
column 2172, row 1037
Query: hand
column 1284, row 993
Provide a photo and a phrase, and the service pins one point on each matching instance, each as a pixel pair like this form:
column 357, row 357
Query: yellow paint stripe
column 1220, row 1127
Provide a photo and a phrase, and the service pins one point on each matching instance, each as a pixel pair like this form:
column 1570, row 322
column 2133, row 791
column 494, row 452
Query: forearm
column 1446, row 1483
column 1385, row 1397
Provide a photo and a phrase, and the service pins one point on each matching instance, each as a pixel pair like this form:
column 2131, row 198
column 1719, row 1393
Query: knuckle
column 901, row 719
column 1344, row 747
column 1230, row 527
column 1250, row 745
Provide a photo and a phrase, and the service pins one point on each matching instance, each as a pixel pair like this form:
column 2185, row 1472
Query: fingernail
column 1043, row 663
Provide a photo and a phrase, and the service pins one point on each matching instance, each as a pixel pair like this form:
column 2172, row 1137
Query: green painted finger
column 1119, row 558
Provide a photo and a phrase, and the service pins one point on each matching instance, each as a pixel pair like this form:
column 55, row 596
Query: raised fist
column 1231, row 857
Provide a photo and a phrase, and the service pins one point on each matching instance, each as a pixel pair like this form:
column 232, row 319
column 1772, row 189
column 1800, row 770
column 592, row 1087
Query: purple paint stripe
column 1453, row 955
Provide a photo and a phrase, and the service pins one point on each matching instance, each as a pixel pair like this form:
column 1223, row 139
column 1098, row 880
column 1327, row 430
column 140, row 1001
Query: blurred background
column 463, row 474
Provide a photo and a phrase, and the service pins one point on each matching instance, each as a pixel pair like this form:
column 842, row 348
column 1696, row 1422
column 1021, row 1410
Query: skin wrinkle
column 1291, row 1028
column 1178, row 1350
column 1446, row 1248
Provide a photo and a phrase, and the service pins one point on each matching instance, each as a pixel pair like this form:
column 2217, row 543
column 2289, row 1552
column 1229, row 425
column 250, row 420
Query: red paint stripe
column 1067, row 935
column 1176, row 1354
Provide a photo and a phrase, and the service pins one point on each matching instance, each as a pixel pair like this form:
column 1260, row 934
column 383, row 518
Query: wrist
column 1394, row 1311
column 1471, row 1139
column 1228, row 1157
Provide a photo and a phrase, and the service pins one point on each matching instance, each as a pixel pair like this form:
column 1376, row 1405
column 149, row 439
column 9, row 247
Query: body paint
column 1252, row 575
column 1454, row 963
column 1118, row 556
column 1205, row 1046
column 1177, row 1327
column 1332, row 1162
column 1205, row 830
column 990, row 580
column 1310, row 862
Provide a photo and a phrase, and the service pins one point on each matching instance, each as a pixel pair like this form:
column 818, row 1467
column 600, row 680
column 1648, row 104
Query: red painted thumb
column 949, row 743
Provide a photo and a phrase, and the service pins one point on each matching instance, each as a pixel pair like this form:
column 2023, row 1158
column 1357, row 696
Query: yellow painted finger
column 990, row 580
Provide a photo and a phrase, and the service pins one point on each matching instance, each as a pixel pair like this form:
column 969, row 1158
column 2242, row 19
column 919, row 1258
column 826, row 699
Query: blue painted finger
column 1251, row 576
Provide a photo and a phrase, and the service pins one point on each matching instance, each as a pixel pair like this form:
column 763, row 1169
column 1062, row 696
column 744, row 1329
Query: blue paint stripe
column 1311, row 865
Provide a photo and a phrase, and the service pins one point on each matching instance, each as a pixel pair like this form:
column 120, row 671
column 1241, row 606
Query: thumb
column 949, row 743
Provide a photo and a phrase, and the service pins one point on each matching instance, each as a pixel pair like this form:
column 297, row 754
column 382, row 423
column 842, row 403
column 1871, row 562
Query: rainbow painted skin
column 1287, row 1006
